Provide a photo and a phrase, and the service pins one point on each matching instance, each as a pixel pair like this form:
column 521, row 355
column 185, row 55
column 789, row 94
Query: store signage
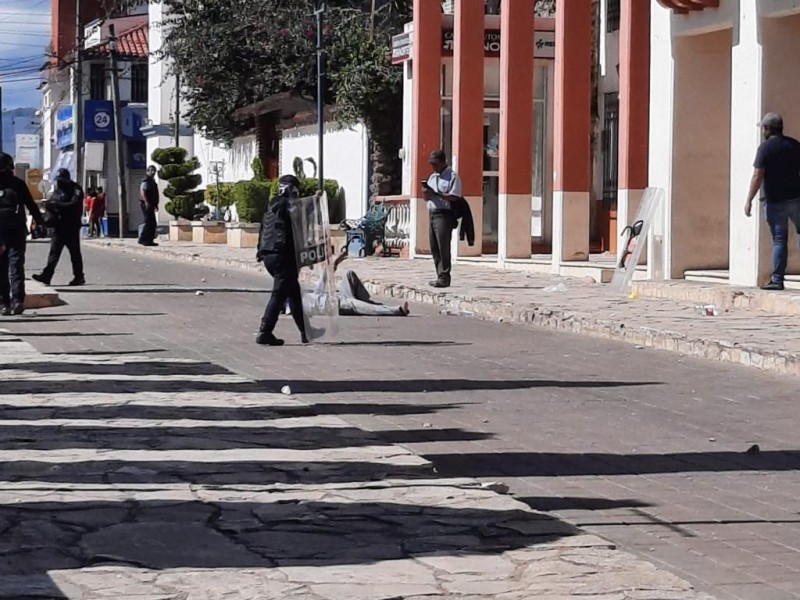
column 544, row 44
column 99, row 121
column 401, row 48
column 65, row 127
column 133, row 119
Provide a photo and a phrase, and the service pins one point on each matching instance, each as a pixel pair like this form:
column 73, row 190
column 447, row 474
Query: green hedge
column 225, row 194
column 308, row 187
column 250, row 198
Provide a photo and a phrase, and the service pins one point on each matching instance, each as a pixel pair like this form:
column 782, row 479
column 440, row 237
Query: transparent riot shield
column 633, row 240
column 312, row 241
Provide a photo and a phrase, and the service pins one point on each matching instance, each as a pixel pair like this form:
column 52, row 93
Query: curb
column 726, row 298
column 787, row 363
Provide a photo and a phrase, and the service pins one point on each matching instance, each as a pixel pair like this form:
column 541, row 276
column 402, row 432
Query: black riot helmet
column 289, row 186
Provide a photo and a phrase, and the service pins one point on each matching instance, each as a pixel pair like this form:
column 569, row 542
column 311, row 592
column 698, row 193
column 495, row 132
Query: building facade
column 555, row 152
column 59, row 102
column 716, row 68
column 544, row 171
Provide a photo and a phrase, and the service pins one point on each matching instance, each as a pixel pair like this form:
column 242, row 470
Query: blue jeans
column 778, row 216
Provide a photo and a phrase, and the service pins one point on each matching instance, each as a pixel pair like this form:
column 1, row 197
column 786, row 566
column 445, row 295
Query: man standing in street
column 15, row 197
column 64, row 209
column 442, row 188
column 148, row 199
column 777, row 167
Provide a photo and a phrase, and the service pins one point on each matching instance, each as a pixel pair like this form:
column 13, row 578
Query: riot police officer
column 277, row 251
column 64, row 210
column 15, row 197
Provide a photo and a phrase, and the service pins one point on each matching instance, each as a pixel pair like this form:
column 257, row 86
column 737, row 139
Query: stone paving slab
column 88, row 522
column 745, row 333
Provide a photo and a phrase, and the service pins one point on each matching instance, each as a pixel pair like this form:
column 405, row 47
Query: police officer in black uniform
column 64, row 210
column 276, row 249
column 15, row 197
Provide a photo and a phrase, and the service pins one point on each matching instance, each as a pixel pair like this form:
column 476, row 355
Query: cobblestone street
column 148, row 452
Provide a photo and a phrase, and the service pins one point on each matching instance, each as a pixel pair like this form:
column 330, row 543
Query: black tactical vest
column 276, row 234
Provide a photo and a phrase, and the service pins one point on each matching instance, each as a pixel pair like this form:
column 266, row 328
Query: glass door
column 491, row 179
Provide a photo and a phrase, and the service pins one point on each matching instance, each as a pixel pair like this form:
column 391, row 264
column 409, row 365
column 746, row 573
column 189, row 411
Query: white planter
column 242, row 235
column 209, row 232
column 180, row 231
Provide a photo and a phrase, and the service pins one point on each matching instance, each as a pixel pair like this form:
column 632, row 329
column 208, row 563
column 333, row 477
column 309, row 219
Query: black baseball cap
column 62, row 175
column 437, row 156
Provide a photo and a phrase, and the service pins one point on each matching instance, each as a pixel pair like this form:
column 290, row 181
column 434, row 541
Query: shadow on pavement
column 302, row 386
column 548, row 464
column 556, row 503
column 105, row 352
column 224, row 437
column 399, row 343
column 51, row 536
column 110, row 314
column 139, row 369
column 69, row 334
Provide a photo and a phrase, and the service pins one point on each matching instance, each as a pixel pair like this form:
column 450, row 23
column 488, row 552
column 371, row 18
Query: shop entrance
column 541, row 201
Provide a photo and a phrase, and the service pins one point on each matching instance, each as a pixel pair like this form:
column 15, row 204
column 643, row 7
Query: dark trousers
column 285, row 286
column 94, row 227
column 12, row 274
column 441, row 235
column 148, row 234
column 71, row 240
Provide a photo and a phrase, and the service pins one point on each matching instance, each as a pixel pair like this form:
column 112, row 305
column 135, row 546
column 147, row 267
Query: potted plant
column 185, row 204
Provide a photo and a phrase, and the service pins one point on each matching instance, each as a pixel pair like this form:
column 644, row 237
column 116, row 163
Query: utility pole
column 320, row 13
column 77, row 86
column 122, row 191
column 177, row 109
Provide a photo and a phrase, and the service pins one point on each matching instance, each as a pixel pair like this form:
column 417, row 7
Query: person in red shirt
column 88, row 201
column 97, row 212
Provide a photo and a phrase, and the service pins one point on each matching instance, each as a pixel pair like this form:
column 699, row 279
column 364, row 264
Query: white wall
column 161, row 86
column 346, row 160
column 237, row 159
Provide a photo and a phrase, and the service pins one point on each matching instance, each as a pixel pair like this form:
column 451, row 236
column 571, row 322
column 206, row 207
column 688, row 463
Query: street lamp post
column 319, row 12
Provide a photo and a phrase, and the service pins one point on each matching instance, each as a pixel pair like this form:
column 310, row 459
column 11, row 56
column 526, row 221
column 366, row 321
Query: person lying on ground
column 354, row 299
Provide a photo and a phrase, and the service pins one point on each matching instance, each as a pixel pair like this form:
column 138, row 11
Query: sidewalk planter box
column 242, row 235
column 180, row 231
column 209, row 232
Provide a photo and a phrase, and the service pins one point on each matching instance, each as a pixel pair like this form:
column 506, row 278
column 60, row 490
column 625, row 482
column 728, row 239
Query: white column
column 662, row 115
column 749, row 239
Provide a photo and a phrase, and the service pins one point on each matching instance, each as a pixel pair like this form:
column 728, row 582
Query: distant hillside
column 18, row 120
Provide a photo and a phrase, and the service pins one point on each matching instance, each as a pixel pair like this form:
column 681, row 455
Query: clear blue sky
column 24, row 36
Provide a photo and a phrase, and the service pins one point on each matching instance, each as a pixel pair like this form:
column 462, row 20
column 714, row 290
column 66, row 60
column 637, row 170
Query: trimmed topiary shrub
column 184, row 201
column 225, row 194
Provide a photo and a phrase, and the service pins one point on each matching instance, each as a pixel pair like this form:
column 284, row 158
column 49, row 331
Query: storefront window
column 447, row 128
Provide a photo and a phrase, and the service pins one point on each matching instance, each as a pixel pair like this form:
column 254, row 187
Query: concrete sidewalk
column 754, row 328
